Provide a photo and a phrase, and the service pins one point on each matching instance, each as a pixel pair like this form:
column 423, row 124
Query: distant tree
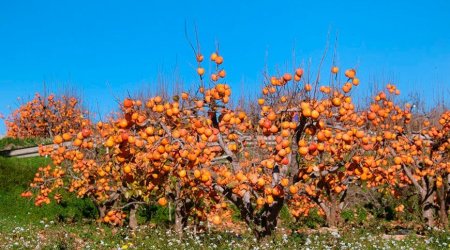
column 45, row 117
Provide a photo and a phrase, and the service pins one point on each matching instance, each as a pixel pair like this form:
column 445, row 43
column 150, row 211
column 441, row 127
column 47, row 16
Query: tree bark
column 262, row 223
column 181, row 218
column 133, row 219
column 443, row 206
column 428, row 208
column 427, row 203
column 182, row 207
column 333, row 216
column 101, row 210
column 271, row 217
column 332, row 211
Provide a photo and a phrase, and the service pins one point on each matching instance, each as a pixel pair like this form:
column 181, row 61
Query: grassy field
column 12, row 143
column 71, row 225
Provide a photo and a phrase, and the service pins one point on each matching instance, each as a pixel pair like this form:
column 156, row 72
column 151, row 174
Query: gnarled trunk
column 262, row 223
column 182, row 207
column 133, row 219
column 181, row 217
column 427, row 194
column 443, row 205
column 332, row 206
column 428, row 208
column 101, row 210
column 333, row 216
column 332, row 211
column 266, row 221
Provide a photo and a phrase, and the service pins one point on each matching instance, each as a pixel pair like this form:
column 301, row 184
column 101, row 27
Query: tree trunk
column 428, row 208
column 443, row 206
column 133, row 220
column 101, row 210
column 263, row 223
column 267, row 220
column 182, row 207
column 181, row 218
column 178, row 221
column 333, row 216
column 332, row 211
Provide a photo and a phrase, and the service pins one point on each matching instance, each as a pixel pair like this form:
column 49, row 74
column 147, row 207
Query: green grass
column 8, row 143
column 15, row 175
column 48, row 235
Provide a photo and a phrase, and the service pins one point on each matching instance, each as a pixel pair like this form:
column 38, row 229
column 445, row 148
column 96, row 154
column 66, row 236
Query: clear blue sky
column 106, row 48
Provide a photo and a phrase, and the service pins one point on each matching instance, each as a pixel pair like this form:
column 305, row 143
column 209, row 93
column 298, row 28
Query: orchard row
column 300, row 144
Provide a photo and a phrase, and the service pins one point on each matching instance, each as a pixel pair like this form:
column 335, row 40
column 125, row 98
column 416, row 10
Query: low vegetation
column 9, row 143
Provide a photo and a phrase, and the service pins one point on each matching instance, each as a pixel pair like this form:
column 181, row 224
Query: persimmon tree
column 435, row 161
column 412, row 155
column 140, row 157
column 330, row 141
column 154, row 150
column 45, row 116
column 256, row 151
column 321, row 127
column 439, row 154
